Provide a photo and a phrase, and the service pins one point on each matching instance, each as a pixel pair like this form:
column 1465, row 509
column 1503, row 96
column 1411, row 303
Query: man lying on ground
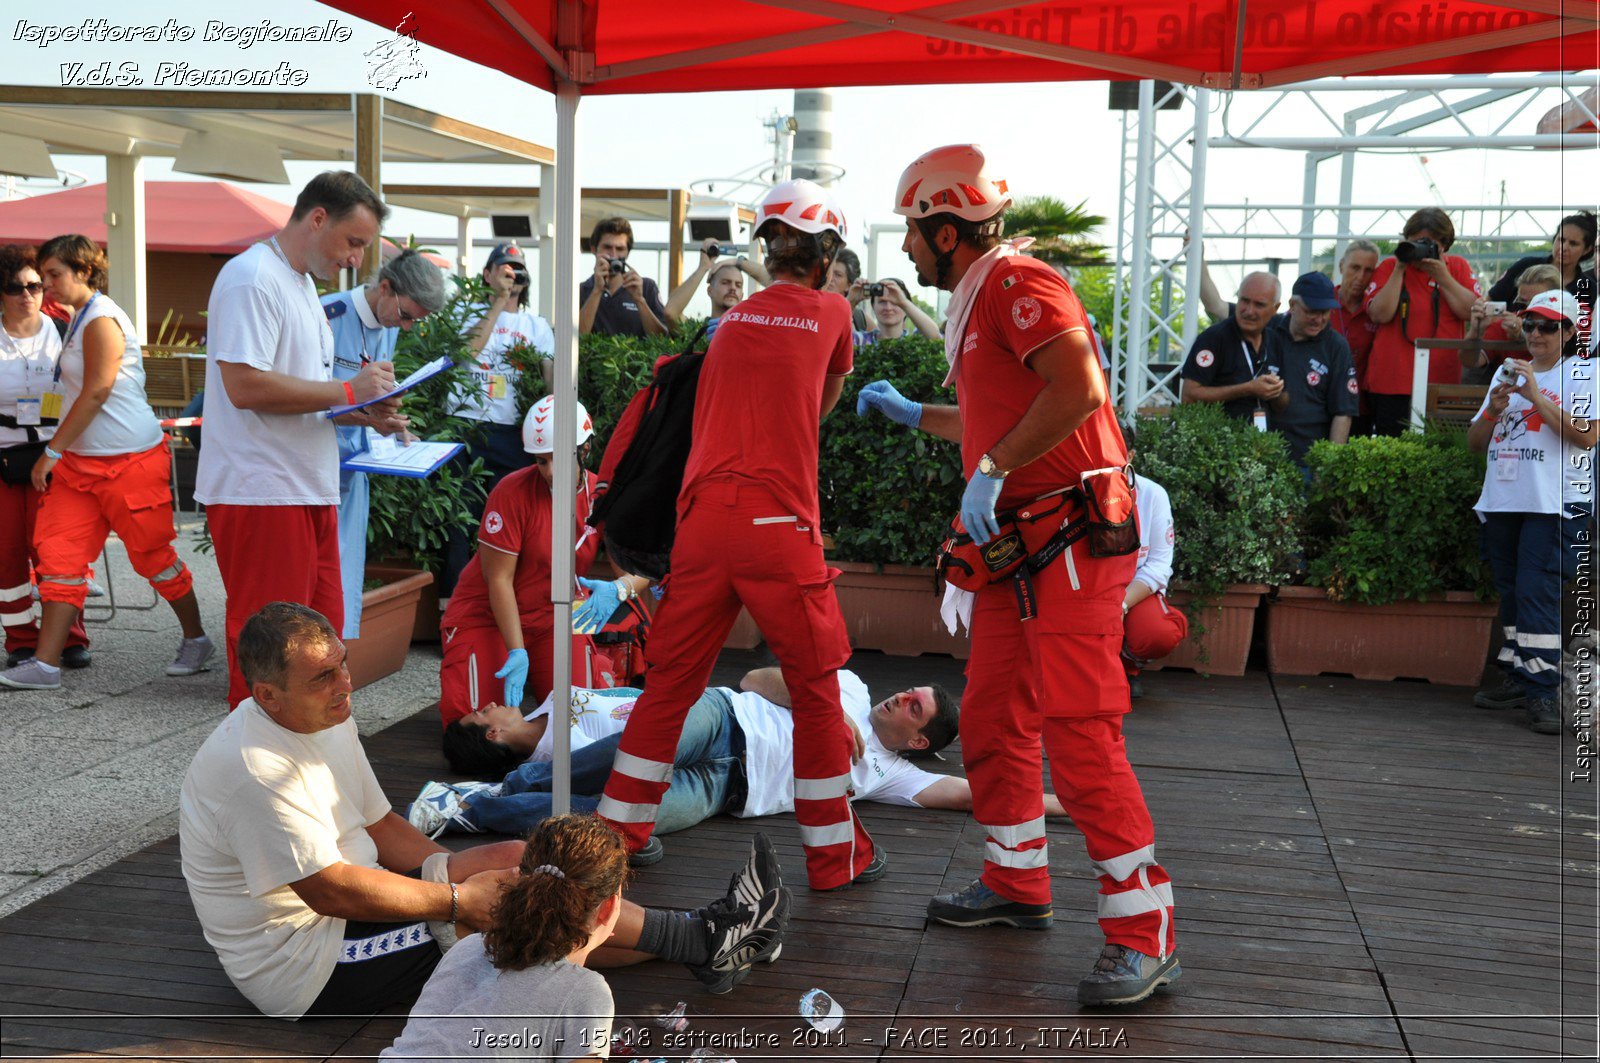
column 736, row 756
column 319, row 899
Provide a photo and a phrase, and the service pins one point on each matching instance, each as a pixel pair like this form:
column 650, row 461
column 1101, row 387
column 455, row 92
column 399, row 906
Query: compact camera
column 1506, row 375
column 519, row 275
column 717, row 251
column 1494, row 308
column 618, row 265
column 1409, row 251
column 874, row 290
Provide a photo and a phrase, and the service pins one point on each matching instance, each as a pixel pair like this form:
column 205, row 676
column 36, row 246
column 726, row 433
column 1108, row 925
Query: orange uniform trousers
column 19, row 511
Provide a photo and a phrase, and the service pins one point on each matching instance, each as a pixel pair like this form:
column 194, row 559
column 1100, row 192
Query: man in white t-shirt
column 507, row 340
column 269, row 470
column 736, row 755
column 320, row 900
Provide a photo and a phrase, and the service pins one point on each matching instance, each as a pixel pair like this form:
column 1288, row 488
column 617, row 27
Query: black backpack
column 638, row 514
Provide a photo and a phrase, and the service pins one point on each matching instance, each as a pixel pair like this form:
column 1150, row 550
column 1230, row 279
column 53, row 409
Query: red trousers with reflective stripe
column 736, row 546
column 274, row 554
column 472, row 655
column 1057, row 681
column 1151, row 630
column 90, row 497
column 19, row 509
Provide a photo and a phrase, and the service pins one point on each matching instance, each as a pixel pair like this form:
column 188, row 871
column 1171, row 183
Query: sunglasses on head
column 18, row 288
column 1543, row 324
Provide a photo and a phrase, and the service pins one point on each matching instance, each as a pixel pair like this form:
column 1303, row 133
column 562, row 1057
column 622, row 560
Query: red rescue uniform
column 19, row 511
column 516, row 521
column 1057, row 678
column 747, row 534
column 1423, row 314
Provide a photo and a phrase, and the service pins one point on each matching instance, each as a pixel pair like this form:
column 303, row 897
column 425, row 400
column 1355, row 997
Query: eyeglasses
column 400, row 308
column 17, row 288
column 1544, row 325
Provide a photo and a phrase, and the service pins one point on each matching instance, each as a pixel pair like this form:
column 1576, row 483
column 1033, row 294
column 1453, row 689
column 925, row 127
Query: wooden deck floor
column 1363, row 871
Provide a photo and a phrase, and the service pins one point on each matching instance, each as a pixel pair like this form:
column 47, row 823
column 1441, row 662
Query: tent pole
column 1197, row 220
column 1139, row 271
column 563, row 266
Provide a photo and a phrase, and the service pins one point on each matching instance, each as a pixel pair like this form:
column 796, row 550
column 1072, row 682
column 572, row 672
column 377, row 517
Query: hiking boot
column 650, row 853
column 192, row 656
column 1135, row 688
column 1544, row 716
column 31, row 675
column 76, row 657
column 1126, row 976
column 1503, row 693
column 741, row 935
column 875, row 869
column 978, row 905
column 437, row 808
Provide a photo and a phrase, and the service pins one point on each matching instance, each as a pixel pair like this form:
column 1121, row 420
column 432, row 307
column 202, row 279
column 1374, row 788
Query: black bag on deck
column 638, row 514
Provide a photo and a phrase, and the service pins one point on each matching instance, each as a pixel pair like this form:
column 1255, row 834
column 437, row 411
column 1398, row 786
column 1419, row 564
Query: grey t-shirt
column 556, row 1011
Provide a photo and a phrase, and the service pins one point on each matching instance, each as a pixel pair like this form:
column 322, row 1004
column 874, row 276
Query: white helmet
column 802, row 204
column 539, row 427
column 951, row 180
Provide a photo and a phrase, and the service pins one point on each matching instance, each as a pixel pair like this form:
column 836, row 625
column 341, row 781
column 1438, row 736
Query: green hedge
column 1392, row 519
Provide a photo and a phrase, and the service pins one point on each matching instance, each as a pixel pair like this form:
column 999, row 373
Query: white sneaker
column 31, row 675
column 437, row 808
column 95, row 590
column 192, row 656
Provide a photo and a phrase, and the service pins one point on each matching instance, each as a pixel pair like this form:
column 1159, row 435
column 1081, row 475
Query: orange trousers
column 89, row 498
column 19, row 511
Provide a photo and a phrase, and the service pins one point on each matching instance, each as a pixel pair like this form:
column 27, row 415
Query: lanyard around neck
column 72, row 330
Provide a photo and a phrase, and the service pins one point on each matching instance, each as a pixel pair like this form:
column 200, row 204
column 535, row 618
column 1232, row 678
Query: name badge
column 28, row 410
column 1507, row 464
column 1260, row 420
column 50, row 404
column 497, row 386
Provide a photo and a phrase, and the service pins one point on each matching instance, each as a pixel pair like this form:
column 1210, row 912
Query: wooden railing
column 172, row 376
column 1449, row 402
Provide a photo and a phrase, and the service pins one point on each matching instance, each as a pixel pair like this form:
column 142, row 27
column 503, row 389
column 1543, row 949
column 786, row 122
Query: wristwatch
column 987, row 466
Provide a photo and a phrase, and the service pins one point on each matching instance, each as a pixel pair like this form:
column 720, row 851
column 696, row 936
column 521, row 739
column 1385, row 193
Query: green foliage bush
column 1236, row 498
column 888, row 492
column 1391, row 519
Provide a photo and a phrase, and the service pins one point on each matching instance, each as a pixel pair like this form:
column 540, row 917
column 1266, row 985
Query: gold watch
column 987, row 466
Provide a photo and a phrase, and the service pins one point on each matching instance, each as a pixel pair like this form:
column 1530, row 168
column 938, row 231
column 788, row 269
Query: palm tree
column 1060, row 232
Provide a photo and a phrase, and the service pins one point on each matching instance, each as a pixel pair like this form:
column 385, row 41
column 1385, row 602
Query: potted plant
column 1395, row 584
column 887, row 495
column 1236, row 501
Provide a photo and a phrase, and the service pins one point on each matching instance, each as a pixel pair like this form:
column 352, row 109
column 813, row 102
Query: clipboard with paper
column 427, row 372
column 419, row 460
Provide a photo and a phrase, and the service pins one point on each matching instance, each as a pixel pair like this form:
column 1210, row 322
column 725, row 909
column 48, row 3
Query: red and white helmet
column 803, row 205
column 539, row 427
column 951, row 180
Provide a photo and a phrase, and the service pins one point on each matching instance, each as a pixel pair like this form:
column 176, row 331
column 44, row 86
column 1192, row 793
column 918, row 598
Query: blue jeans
column 1528, row 554
column 710, row 753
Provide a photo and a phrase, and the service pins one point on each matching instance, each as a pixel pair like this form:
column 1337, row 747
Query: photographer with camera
column 724, row 277
column 892, row 306
column 1420, row 293
column 616, row 301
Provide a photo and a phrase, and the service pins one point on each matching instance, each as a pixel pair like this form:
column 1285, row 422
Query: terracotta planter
column 429, row 612
column 894, row 609
column 1229, row 625
column 388, row 613
column 1443, row 639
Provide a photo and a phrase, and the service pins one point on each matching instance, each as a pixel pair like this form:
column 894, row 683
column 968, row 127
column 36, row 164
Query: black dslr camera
column 618, row 265
column 1409, row 251
column 874, row 290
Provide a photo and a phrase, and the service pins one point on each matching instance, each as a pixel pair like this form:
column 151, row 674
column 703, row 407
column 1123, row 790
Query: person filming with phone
column 616, row 301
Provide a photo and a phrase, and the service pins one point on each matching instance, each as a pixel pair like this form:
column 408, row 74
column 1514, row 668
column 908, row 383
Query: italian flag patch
column 1015, row 278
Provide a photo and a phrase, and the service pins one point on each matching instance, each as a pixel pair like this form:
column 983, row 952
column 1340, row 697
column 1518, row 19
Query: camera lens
column 874, row 290
column 619, row 265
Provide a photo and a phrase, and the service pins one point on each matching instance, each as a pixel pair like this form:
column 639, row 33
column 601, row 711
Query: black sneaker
column 1126, row 976
column 76, row 657
column 741, row 935
column 650, row 853
column 16, row 657
column 1504, row 693
column 1135, row 688
column 1544, row 716
column 876, row 868
column 978, row 905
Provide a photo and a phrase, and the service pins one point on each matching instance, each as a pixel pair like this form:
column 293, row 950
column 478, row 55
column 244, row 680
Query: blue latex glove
column 515, row 673
column 881, row 395
column 595, row 611
column 977, row 506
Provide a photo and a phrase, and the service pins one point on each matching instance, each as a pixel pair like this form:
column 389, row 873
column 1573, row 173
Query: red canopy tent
column 577, row 47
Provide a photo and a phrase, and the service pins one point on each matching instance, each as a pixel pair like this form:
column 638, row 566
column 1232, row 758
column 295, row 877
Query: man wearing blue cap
column 1320, row 396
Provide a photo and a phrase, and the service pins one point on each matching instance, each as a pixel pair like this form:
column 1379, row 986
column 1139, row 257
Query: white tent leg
column 1138, row 346
column 562, row 266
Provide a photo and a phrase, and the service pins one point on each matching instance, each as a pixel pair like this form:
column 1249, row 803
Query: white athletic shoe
column 437, row 808
column 192, row 656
